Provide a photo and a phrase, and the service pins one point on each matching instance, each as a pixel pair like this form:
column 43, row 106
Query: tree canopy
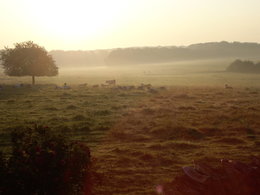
column 244, row 67
column 28, row 59
column 200, row 51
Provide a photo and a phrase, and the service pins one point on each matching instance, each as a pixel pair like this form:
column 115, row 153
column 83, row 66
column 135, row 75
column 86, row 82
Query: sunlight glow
column 104, row 24
column 76, row 20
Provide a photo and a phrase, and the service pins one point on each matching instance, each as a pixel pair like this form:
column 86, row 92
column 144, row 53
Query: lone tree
column 28, row 59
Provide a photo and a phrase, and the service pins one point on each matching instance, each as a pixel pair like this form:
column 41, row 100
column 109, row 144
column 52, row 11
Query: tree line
column 213, row 50
column 149, row 55
column 244, row 67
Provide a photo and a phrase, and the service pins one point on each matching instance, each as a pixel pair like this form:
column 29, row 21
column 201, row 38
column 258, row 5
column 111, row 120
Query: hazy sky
column 98, row 24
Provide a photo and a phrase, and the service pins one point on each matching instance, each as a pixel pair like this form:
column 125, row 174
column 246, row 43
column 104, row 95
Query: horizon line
column 179, row 46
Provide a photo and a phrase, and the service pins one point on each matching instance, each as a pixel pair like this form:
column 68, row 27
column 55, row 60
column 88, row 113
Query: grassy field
column 189, row 73
column 141, row 138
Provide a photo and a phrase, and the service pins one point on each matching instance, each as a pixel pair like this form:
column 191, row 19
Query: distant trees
column 80, row 58
column 244, row 66
column 202, row 51
column 28, row 59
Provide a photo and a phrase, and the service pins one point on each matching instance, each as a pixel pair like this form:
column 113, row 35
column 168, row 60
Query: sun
column 77, row 20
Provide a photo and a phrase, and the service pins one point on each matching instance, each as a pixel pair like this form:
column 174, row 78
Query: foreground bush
column 42, row 162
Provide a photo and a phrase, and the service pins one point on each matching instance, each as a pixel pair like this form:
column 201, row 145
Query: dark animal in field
column 147, row 86
column 95, row 86
column 111, row 82
column 126, row 88
column 58, row 87
column 65, row 86
column 140, row 88
column 151, row 90
column 18, row 85
column 83, row 85
column 104, row 85
column 228, row 87
column 144, row 86
column 121, row 87
column 162, row 88
column 130, row 87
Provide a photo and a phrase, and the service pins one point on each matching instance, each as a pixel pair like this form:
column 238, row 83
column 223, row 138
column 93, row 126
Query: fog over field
column 150, row 55
column 132, row 97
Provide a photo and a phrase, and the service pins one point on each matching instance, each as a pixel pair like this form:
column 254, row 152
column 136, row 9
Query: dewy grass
column 58, row 107
column 140, row 139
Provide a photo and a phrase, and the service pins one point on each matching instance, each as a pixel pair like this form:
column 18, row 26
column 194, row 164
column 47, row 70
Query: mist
column 129, row 97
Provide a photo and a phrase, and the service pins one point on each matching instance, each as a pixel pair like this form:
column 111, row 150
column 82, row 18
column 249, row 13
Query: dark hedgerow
column 43, row 162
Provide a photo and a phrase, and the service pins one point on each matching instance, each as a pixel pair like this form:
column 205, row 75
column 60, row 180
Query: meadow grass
column 83, row 113
column 183, row 73
column 140, row 139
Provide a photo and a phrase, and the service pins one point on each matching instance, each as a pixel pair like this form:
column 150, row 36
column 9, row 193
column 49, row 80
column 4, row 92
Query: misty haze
column 129, row 97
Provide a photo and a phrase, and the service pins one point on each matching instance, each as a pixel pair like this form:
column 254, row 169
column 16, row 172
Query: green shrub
column 43, row 162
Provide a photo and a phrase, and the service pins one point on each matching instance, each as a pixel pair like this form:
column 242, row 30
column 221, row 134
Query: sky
column 104, row 24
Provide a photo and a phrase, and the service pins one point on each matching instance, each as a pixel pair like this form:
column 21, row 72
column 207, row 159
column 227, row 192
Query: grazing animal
column 130, row 87
column 125, row 88
column 111, row 82
column 144, row 86
column 151, row 90
column 58, row 87
column 228, row 87
column 18, row 85
column 140, row 87
column 104, row 85
column 147, row 86
column 65, row 86
column 95, row 86
column 162, row 88
column 83, row 85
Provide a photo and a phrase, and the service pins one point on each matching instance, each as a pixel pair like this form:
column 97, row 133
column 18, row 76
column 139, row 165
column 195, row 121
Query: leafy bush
column 43, row 162
column 244, row 67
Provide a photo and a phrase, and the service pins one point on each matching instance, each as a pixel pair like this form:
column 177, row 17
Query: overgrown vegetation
column 43, row 162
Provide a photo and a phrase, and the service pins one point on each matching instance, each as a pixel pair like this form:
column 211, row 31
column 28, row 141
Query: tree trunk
column 33, row 80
